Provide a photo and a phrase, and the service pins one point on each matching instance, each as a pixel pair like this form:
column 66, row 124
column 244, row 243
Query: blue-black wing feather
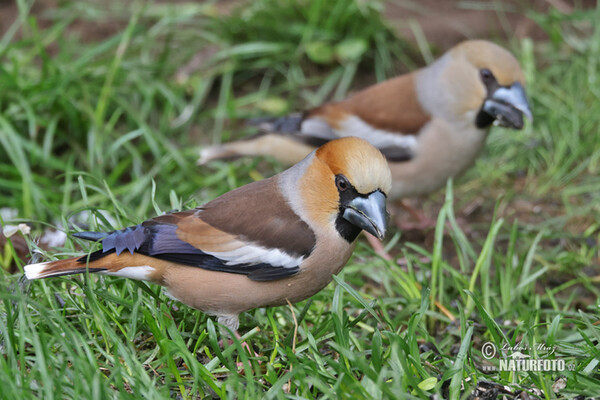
column 157, row 239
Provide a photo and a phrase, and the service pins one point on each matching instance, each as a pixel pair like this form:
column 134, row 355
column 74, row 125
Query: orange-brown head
column 479, row 79
column 482, row 54
column 346, row 184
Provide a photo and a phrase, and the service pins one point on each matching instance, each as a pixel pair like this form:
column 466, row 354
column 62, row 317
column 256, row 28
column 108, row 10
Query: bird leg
column 422, row 221
column 245, row 345
column 377, row 246
column 425, row 223
column 232, row 322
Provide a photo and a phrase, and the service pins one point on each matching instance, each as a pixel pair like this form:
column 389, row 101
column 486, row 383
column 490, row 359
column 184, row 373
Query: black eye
column 342, row 183
column 486, row 75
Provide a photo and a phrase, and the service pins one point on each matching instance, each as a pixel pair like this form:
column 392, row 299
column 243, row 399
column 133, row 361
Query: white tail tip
column 35, row 271
column 209, row 154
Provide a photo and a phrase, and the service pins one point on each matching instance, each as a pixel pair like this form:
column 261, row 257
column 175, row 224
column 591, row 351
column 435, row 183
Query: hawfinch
column 272, row 241
column 430, row 124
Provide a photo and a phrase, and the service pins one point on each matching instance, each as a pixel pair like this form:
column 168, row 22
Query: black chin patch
column 483, row 119
column 346, row 230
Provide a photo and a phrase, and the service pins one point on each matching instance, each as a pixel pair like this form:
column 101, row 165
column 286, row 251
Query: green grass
column 109, row 125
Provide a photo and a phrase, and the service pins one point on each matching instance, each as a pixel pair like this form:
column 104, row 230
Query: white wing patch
column 354, row 126
column 319, row 128
column 253, row 254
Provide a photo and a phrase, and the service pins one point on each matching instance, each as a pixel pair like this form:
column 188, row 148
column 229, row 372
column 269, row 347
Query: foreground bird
column 430, row 124
column 272, row 241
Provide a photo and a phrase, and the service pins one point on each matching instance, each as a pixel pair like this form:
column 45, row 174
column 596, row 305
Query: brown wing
column 383, row 114
column 391, row 105
column 259, row 213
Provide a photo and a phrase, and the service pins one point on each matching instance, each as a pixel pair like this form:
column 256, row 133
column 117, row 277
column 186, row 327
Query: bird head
column 346, row 185
column 484, row 81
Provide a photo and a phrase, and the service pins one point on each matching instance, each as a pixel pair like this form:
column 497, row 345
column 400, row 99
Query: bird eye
column 342, row 183
column 486, row 75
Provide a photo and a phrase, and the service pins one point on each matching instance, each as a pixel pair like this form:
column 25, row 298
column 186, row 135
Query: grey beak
column 368, row 213
column 508, row 105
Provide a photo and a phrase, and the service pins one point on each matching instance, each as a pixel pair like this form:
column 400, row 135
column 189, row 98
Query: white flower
column 25, row 229
column 10, row 230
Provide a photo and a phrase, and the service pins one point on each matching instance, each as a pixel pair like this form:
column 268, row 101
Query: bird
column 263, row 244
column 431, row 124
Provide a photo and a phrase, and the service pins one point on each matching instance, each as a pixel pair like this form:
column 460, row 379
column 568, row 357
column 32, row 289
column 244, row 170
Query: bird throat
column 346, row 230
column 483, row 120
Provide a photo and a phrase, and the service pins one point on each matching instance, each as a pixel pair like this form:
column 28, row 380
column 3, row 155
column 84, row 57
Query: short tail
column 58, row 268
column 285, row 148
column 127, row 265
column 273, row 132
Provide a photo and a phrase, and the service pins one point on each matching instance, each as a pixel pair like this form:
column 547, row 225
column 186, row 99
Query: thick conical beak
column 508, row 105
column 368, row 213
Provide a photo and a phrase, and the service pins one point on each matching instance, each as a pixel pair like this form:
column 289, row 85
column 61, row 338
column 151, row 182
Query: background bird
column 430, row 124
column 272, row 241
